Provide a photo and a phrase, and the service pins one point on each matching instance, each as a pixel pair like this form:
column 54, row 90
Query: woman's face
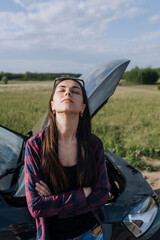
column 68, row 98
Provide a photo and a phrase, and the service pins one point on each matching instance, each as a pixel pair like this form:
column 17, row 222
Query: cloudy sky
column 75, row 35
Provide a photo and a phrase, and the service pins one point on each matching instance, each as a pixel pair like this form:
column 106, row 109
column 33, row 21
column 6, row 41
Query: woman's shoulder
column 37, row 138
column 96, row 140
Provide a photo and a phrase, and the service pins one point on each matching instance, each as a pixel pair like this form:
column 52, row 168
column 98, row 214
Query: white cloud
column 67, row 24
column 20, row 2
column 150, row 36
column 154, row 18
column 74, row 28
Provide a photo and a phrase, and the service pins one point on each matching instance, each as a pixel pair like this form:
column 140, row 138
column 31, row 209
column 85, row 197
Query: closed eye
column 62, row 90
column 73, row 91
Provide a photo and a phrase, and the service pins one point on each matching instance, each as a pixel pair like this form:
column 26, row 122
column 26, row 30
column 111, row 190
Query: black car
column 132, row 211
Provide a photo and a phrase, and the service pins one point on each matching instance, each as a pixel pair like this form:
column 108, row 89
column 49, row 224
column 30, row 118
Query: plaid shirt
column 65, row 204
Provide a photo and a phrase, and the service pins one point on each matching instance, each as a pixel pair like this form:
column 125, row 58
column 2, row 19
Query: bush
column 149, row 76
column 132, row 75
column 142, row 76
column 5, row 79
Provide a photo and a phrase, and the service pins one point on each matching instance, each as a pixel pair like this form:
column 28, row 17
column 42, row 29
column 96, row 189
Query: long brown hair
column 52, row 168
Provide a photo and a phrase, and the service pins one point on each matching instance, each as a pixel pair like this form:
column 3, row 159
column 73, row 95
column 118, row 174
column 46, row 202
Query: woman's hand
column 87, row 191
column 42, row 189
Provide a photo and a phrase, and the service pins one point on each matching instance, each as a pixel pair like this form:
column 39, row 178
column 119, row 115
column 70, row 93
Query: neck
column 67, row 127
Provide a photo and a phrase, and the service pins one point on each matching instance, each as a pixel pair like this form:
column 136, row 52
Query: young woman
column 65, row 173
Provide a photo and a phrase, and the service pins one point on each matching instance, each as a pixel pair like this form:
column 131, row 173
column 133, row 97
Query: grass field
column 129, row 124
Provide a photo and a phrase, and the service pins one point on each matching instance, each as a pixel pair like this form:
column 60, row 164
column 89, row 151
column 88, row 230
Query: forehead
column 69, row 83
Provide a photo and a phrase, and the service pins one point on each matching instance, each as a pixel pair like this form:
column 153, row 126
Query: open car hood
column 100, row 84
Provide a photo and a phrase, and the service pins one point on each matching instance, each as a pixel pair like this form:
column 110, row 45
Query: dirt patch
column 153, row 178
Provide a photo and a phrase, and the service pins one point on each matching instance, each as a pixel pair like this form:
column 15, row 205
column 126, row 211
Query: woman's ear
column 83, row 107
column 52, row 105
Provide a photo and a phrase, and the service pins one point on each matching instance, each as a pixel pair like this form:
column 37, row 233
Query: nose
column 68, row 92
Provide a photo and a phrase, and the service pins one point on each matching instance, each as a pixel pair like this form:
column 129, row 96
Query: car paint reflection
column 10, row 148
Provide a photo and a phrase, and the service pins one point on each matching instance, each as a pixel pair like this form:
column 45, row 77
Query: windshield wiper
column 11, row 170
column 18, row 165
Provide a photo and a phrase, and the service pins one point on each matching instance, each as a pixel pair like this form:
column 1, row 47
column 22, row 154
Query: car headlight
column 140, row 218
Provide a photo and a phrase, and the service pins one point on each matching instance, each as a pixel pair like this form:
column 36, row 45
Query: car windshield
column 10, row 148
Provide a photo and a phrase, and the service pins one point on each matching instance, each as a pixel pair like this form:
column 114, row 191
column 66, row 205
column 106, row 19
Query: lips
column 67, row 100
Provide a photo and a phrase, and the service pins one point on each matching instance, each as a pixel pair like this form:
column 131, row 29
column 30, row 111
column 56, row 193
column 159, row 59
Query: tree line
column 135, row 75
column 29, row 76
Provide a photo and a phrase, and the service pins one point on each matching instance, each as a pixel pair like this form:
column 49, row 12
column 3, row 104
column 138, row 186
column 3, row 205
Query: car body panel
column 15, row 222
column 136, row 187
column 12, row 145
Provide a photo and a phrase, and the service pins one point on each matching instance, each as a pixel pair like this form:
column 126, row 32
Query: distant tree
column 1, row 75
column 5, row 79
column 158, row 71
column 36, row 76
column 149, row 76
column 28, row 76
column 132, row 75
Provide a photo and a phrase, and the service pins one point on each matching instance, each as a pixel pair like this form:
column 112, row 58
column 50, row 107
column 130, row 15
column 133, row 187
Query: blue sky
column 75, row 35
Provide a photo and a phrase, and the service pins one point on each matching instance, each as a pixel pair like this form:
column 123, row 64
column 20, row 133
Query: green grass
column 21, row 109
column 129, row 124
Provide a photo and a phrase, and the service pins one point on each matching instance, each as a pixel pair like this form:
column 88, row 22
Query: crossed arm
column 44, row 191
